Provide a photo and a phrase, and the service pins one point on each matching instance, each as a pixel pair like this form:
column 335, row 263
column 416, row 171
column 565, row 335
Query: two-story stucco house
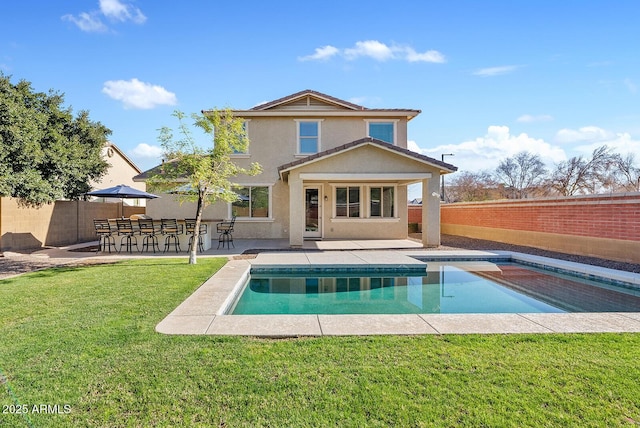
column 331, row 170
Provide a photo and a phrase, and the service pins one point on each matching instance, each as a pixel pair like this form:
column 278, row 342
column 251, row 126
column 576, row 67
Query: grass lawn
column 84, row 338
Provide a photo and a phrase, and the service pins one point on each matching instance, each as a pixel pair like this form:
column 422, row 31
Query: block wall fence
column 606, row 226
column 58, row 224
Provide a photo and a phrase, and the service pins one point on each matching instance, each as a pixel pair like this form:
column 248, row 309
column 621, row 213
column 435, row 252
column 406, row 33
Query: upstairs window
column 384, row 131
column 245, row 127
column 308, row 137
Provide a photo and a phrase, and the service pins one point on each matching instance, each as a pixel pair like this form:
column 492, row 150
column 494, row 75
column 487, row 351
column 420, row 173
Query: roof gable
column 444, row 167
column 308, row 100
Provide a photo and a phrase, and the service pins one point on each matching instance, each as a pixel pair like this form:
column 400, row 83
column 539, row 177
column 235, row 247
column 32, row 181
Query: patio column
column 431, row 211
column 296, row 227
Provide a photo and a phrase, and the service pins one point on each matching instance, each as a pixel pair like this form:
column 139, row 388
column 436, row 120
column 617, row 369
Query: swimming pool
column 444, row 287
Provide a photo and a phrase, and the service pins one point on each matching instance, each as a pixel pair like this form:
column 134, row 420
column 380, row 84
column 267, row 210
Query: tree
column 627, row 174
column 521, row 174
column 470, row 186
column 206, row 172
column 579, row 175
column 46, row 153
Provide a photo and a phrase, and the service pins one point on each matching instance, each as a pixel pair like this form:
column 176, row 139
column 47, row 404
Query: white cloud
column 486, row 152
column 321, row 54
column 138, row 95
column 88, row 22
column 375, row 50
column 369, row 48
column 146, row 151
column 593, row 137
column 428, row 56
column 114, row 10
column 621, row 143
column 496, row 71
column 586, row 134
column 528, row 118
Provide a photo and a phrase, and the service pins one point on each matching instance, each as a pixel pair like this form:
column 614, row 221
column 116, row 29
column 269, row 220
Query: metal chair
column 105, row 234
column 171, row 230
column 127, row 233
column 149, row 230
column 225, row 230
column 190, row 226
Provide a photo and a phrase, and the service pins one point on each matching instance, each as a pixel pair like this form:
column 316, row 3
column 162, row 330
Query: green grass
column 84, row 337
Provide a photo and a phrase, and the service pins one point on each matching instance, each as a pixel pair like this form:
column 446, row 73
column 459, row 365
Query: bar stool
column 190, row 226
column 149, row 231
column 225, row 232
column 171, row 229
column 105, row 234
column 127, row 233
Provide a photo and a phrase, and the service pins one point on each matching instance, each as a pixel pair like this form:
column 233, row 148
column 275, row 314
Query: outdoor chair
column 225, row 232
column 127, row 234
column 105, row 234
column 150, row 231
column 171, row 231
column 190, row 226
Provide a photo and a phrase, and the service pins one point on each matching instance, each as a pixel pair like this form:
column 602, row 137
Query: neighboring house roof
column 445, row 168
column 115, row 148
column 313, row 103
column 156, row 170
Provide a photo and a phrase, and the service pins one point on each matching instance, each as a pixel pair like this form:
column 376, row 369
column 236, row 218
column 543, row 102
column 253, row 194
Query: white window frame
column 319, row 148
column 334, row 215
column 394, row 122
column 395, row 200
column 268, row 218
column 365, row 203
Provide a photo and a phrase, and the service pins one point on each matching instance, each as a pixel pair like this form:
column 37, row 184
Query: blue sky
column 492, row 78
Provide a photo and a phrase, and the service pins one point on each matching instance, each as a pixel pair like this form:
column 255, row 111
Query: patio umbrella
column 123, row 192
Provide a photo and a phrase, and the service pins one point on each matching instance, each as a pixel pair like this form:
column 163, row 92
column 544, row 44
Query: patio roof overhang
column 400, row 178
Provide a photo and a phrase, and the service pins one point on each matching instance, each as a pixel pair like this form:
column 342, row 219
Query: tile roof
column 304, row 93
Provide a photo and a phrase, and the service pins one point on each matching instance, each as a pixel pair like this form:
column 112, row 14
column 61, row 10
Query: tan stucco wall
column 362, row 159
column 274, row 140
column 365, row 159
column 120, row 172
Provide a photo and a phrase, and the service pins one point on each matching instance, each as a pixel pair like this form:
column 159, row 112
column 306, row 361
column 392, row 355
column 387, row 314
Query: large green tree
column 205, row 173
column 46, row 153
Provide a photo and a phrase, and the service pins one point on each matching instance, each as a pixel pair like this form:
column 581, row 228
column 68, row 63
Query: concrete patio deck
column 204, row 312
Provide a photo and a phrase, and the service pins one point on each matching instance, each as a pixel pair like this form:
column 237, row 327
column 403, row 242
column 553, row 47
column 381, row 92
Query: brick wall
column 415, row 214
column 602, row 216
column 597, row 225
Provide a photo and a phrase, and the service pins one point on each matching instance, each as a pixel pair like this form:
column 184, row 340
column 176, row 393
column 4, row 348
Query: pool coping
column 204, row 311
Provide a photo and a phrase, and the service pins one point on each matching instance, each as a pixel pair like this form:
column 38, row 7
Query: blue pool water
column 444, row 288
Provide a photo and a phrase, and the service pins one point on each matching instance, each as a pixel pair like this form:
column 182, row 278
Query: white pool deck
column 204, row 312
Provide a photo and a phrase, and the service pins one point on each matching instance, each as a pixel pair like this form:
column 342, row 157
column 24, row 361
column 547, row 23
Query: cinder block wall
column 58, row 224
column 605, row 226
